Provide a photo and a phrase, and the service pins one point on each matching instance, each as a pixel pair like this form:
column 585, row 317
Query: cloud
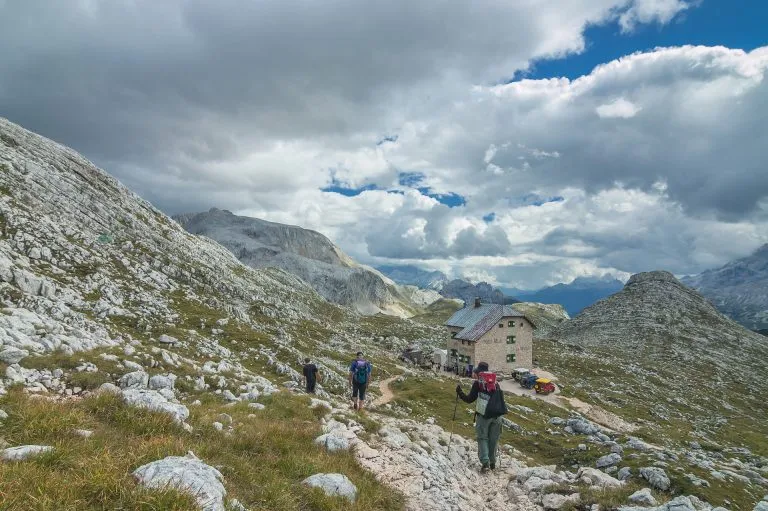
column 258, row 107
column 619, row 108
column 649, row 11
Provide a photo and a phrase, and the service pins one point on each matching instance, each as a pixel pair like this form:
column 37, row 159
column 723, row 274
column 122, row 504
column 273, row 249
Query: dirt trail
column 593, row 412
column 386, row 392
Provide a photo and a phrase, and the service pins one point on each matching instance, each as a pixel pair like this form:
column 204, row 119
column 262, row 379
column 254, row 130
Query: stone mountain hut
column 493, row 333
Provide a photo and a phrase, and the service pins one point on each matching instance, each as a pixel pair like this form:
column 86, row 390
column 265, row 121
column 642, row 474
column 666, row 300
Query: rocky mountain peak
column 653, row 276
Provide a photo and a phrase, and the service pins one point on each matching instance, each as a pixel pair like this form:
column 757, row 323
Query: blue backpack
column 361, row 371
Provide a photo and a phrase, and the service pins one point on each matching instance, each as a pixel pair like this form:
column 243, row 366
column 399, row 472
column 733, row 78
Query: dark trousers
column 311, row 386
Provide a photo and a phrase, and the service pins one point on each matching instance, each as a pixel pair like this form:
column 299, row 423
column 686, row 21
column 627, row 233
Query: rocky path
column 386, row 393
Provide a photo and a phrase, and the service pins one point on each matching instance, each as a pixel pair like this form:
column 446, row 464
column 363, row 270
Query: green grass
column 263, row 463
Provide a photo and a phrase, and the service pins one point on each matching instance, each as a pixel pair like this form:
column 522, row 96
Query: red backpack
column 487, row 382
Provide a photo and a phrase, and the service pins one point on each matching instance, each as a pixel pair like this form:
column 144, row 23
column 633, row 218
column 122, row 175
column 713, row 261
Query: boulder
column 187, row 474
column 134, row 380
column 594, row 477
column 333, row 442
column 153, row 400
column 333, row 485
column 3, row 415
column 762, row 505
column 643, row 497
column 608, row 460
column 158, row 382
column 85, row 433
column 133, row 366
column 257, row 406
column 554, row 501
column 167, row 339
column 11, row 355
column 656, row 477
column 583, row 426
column 23, row 452
column 624, row 473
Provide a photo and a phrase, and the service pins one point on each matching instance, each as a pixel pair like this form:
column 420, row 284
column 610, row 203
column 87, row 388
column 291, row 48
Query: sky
column 520, row 143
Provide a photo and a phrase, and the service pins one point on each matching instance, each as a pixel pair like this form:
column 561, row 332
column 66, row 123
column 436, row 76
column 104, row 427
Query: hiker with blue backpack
column 359, row 375
column 489, row 408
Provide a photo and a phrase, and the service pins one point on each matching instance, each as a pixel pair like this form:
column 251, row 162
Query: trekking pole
column 453, row 420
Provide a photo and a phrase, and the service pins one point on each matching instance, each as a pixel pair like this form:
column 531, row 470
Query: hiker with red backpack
column 359, row 375
column 489, row 408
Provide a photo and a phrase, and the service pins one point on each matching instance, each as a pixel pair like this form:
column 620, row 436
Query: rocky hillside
column 739, row 289
column 546, row 317
column 660, row 355
column 310, row 256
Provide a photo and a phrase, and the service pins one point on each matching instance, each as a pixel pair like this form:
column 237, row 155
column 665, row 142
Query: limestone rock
column 333, row 485
column 554, row 501
column 608, row 460
column 24, row 451
column 153, row 400
column 134, row 380
column 643, row 497
column 332, row 442
column 158, row 382
column 187, row 474
column 11, row 355
column 656, row 477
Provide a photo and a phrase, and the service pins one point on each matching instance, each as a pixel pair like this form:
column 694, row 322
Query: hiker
column 310, row 375
column 359, row 375
column 489, row 407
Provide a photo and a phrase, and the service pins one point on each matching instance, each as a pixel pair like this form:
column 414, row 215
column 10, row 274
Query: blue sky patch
column 490, row 217
column 337, row 187
column 410, row 178
column 711, row 23
column 450, row 199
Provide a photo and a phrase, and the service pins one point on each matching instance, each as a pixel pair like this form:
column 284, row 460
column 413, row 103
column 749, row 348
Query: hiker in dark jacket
column 489, row 408
column 310, row 375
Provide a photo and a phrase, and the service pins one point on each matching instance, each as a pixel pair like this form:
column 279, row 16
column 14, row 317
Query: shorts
column 358, row 390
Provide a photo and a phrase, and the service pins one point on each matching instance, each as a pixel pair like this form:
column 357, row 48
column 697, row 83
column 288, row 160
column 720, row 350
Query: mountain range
column 310, row 256
column 575, row 296
column 739, row 289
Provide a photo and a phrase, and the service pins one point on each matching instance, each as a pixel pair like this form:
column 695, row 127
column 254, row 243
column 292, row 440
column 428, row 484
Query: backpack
column 489, row 402
column 487, row 382
column 361, row 371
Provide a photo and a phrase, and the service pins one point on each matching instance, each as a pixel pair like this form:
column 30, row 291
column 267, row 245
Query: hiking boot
column 484, row 468
column 493, row 465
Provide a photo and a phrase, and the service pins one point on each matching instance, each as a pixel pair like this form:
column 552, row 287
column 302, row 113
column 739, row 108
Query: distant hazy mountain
column 414, row 276
column 310, row 256
column 574, row 297
column 463, row 290
column 459, row 289
column 739, row 289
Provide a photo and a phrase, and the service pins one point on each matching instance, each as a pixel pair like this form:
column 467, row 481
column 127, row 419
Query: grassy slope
column 263, row 462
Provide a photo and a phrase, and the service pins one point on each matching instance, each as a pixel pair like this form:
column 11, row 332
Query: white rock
column 608, row 460
column 554, row 501
column 643, row 497
column 153, row 400
column 218, row 426
column 332, row 442
column 85, row 433
column 229, row 396
column 108, row 388
column 187, row 474
column 167, row 339
column 656, row 477
column 11, row 355
column 3, row 415
column 134, row 380
column 257, row 406
column 597, row 478
column 24, row 451
column 133, row 366
column 158, row 382
column 333, row 484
